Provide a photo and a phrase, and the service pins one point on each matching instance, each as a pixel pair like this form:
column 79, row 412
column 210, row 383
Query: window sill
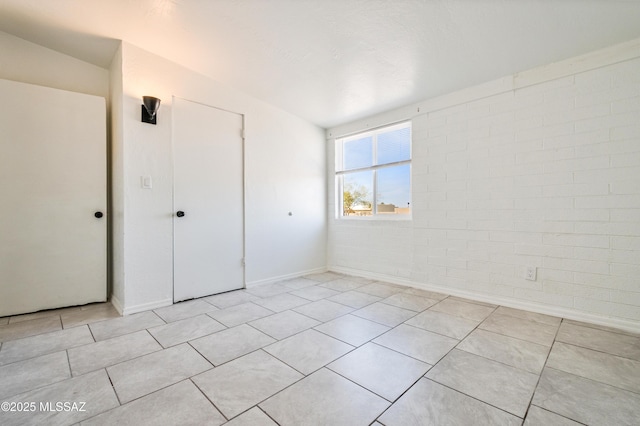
column 377, row 218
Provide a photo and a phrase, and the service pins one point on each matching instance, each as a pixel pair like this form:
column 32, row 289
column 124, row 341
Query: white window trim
column 339, row 143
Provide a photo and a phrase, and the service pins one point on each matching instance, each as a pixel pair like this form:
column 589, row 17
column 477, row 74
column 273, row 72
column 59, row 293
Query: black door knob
column 98, row 214
column 180, row 213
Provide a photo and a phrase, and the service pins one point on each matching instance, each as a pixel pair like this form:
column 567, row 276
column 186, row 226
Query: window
column 373, row 172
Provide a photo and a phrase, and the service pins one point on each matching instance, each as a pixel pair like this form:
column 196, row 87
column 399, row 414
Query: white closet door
column 209, row 190
column 52, row 182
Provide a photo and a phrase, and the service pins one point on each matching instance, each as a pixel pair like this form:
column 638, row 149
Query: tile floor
column 325, row 349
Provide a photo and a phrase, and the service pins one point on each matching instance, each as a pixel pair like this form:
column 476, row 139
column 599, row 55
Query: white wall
column 538, row 169
column 31, row 63
column 116, row 173
column 284, row 168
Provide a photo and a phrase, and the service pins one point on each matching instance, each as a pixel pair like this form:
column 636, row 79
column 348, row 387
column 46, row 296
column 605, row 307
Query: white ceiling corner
column 332, row 61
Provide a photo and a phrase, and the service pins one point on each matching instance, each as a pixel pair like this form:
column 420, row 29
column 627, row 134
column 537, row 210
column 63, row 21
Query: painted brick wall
column 547, row 176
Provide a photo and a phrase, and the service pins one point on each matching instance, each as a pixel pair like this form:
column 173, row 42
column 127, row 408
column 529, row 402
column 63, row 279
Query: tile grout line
column 594, row 381
column 265, row 413
column 3, row 346
column 601, row 351
column 473, row 397
column 205, row 395
column 535, row 389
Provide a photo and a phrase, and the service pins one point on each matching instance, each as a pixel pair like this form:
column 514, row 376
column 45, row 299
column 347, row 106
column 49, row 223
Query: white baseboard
column 285, row 277
column 116, row 303
column 128, row 310
column 619, row 323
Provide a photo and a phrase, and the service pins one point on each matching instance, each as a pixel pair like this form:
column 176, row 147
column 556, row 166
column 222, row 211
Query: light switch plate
column 146, row 181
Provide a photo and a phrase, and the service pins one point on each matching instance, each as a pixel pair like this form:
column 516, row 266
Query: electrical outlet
column 530, row 273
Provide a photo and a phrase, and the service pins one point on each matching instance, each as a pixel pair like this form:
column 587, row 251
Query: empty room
column 320, row 212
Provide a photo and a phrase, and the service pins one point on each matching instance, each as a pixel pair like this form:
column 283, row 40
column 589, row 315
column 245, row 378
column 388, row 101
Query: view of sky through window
column 375, row 171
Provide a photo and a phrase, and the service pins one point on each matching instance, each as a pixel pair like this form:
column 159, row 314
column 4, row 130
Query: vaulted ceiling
column 332, row 61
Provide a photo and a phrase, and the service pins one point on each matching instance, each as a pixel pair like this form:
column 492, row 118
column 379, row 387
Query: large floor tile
column 354, row 299
column 380, row 289
column 531, row 316
column 324, row 399
column 623, row 345
column 586, row 401
column 232, row 343
column 384, row 372
column 111, row 352
column 537, row 416
column 601, row 327
column 284, row 324
column 141, row 376
column 429, row 403
column 458, row 308
column 384, row 314
column 40, row 314
column 323, row 310
column 92, row 393
column 308, row 351
column 104, row 330
column 445, row 324
column 477, row 302
column 179, row 404
column 357, row 279
column 281, row 302
column 342, row 284
column 353, row 330
column 268, row 290
column 315, row 293
column 324, row 277
column 184, row 330
column 298, row 283
column 610, row 369
column 238, row 385
column 88, row 314
column 182, row 310
column 517, row 353
column 23, row 376
column 29, row 328
column 31, row 347
column 230, row 298
column 500, row 385
column 253, row 417
column 520, row 328
column 409, row 301
column 425, row 293
column 240, row 314
column 417, row 343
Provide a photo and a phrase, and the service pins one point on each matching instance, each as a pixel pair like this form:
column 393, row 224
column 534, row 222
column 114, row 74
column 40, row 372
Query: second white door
column 208, row 200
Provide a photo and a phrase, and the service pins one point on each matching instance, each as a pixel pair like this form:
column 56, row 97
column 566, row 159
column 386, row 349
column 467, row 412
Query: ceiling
column 332, row 61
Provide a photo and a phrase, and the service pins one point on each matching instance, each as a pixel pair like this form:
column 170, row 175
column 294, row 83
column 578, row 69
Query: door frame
column 244, row 190
column 80, row 133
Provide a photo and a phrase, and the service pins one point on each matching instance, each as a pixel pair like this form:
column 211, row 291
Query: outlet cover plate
column 530, row 273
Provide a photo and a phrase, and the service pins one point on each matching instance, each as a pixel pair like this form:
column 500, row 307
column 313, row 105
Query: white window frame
column 339, row 173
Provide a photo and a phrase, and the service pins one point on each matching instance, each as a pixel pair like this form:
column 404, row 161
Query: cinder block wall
column 547, row 175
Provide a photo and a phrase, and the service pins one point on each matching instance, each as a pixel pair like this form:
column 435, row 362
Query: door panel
column 209, row 189
column 52, row 181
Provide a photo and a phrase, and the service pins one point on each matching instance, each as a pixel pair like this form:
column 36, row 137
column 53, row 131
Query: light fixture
column 150, row 106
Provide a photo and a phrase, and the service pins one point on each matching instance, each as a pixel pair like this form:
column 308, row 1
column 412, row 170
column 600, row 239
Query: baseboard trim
column 622, row 324
column 143, row 307
column 116, row 303
column 285, row 277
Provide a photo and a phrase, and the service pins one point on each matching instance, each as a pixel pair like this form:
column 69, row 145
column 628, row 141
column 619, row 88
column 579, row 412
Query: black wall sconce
column 150, row 106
